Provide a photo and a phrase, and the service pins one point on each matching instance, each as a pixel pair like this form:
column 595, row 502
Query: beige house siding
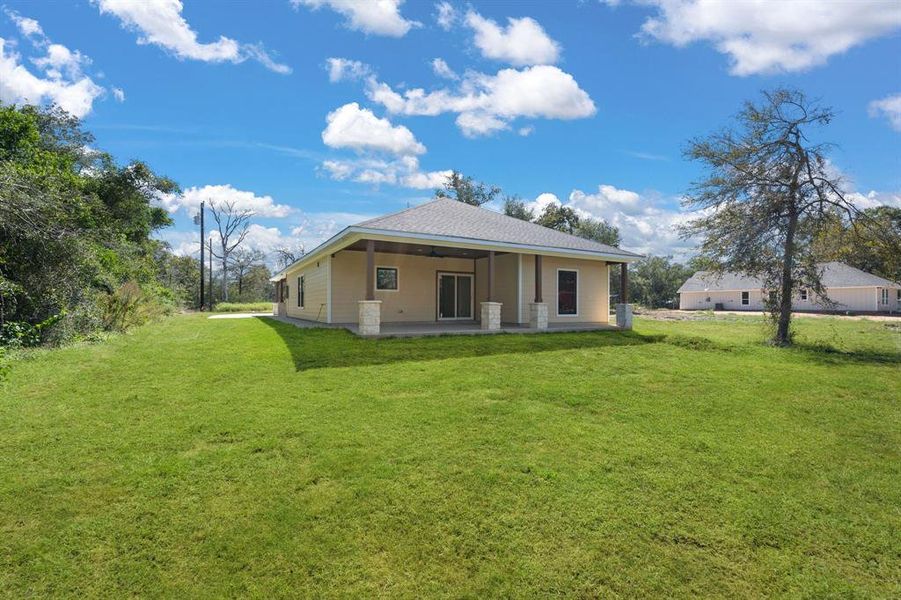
column 316, row 276
column 858, row 299
column 416, row 298
column 506, row 278
column 593, row 289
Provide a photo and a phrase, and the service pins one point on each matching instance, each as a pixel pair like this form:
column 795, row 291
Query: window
column 884, row 296
column 301, row 292
column 773, row 297
column 386, row 279
column 803, row 294
column 745, row 298
column 567, row 293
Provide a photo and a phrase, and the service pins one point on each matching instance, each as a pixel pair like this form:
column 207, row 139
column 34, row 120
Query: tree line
column 77, row 252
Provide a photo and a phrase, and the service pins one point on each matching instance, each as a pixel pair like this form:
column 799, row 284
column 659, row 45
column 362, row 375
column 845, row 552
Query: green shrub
column 243, row 307
column 19, row 334
column 129, row 306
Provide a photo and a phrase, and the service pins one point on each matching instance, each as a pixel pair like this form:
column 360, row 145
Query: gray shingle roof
column 835, row 275
column 446, row 217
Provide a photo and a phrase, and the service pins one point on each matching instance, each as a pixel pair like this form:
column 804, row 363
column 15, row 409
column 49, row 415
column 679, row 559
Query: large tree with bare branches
column 232, row 225
column 768, row 191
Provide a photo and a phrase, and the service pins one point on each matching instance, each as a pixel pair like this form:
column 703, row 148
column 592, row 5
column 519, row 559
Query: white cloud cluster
column 443, row 70
column 343, row 69
column 403, row 171
column 445, row 15
column 488, row 103
column 647, row 224
column 359, row 129
column 522, row 42
column 189, row 201
column 378, row 17
column 890, row 108
column 771, row 36
column 60, row 74
column 161, row 23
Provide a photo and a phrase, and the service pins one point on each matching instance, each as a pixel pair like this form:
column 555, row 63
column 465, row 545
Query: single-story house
column 444, row 262
column 851, row 289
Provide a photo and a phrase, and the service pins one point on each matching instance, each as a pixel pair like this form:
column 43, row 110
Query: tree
column 242, row 261
column 656, row 279
column 768, row 192
column 287, row 255
column 871, row 243
column 464, row 189
column 598, row 230
column 232, row 224
column 516, row 208
column 559, row 217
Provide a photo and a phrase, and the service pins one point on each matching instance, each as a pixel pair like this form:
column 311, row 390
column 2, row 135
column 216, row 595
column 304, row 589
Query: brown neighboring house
column 444, row 262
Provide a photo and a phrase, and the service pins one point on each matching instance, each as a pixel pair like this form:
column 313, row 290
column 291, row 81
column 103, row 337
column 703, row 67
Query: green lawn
column 198, row 458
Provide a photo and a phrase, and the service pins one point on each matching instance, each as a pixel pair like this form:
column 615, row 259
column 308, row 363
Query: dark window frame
column 746, row 298
column 575, row 293
column 301, row 291
column 396, row 287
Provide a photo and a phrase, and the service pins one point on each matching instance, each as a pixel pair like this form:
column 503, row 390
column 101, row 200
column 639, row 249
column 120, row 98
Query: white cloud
column 487, row 103
column 403, row 172
column 647, row 224
column 379, row 17
column 343, row 69
column 189, row 201
column 442, row 69
column 161, row 23
column 525, row 131
column 772, row 36
column 28, row 27
column 359, row 129
column 523, row 42
column 445, row 15
column 119, row 94
column 872, row 199
column 60, row 80
column 890, row 108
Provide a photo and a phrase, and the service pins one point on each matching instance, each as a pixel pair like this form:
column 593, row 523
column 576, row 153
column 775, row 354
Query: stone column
column 624, row 316
column 491, row 316
column 538, row 315
column 370, row 319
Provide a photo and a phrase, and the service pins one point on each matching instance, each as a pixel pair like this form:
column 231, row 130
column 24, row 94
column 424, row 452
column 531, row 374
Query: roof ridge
column 396, row 213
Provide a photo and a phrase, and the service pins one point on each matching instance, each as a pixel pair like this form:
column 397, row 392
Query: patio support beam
column 370, row 269
column 491, row 276
column 624, row 283
column 538, row 278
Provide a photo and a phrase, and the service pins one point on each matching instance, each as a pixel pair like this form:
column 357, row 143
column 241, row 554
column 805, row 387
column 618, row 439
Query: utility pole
column 210, row 242
column 202, row 204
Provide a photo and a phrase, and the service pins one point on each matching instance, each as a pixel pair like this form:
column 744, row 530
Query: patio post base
column 370, row 321
column 538, row 315
column 491, row 316
column 624, row 316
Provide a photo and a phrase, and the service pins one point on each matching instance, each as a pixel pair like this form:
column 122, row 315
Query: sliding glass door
column 455, row 296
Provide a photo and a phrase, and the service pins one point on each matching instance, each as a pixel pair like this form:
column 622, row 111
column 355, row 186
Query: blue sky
column 318, row 113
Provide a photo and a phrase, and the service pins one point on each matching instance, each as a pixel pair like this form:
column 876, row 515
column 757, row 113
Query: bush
column 19, row 334
column 243, row 307
column 128, row 306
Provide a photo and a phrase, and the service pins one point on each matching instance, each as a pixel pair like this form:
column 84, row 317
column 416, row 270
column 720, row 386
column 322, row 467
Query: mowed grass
column 209, row 458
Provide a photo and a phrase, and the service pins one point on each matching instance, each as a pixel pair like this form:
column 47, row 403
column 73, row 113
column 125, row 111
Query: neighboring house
column 851, row 289
column 446, row 261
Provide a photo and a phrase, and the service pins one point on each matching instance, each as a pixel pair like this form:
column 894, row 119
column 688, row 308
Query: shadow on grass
column 316, row 348
column 830, row 355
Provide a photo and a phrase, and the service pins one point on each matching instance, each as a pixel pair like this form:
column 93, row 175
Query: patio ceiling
column 420, row 250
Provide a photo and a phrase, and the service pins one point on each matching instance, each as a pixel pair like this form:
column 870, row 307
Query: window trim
column 301, row 291
column 396, row 277
column 557, row 292
column 745, row 298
